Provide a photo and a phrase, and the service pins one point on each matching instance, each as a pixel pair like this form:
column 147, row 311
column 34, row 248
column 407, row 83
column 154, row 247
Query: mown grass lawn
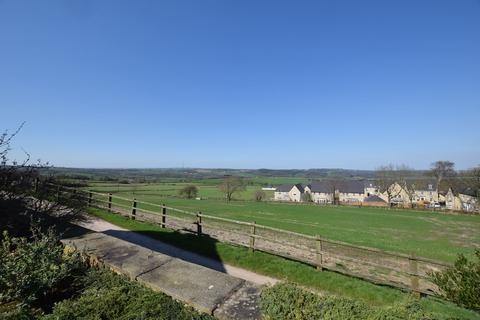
column 430, row 234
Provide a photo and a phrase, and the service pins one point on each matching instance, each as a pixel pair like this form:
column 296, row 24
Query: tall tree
column 259, row 195
column 476, row 180
column 386, row 178
column 442, row 170
column 405, row 176
column 189, row 191
column 471, row 178
column 230, row 185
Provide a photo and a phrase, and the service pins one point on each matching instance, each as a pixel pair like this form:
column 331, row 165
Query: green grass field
column 263, row 263
column 430, row 234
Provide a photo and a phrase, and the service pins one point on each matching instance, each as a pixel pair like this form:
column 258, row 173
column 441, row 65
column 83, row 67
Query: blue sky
column 242, row 84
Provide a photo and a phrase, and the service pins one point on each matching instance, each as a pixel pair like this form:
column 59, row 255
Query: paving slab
column 134, row 260
column 207, row 290
column 81, row 242
column 243, row 304
column 204, row 288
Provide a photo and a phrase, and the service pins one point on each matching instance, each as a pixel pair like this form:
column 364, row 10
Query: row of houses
column 364, row 192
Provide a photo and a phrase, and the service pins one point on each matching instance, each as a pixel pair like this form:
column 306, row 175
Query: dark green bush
column 289, row 302
column 110, row 296
column 36, row 273
column 32, row 272
column 461, row 283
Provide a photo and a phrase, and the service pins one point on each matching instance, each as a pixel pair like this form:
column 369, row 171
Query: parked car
column 434, row 205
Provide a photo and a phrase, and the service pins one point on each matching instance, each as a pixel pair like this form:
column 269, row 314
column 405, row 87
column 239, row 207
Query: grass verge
column 280, row 268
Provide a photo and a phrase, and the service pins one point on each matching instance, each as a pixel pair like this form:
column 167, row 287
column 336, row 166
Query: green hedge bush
column 110, row 296
column 34, row 271
column 461, row 283
column 289, row 302
column 40, row 279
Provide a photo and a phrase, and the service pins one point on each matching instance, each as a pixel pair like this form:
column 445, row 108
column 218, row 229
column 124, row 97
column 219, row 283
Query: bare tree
column 405, row 177
column 307, row 197
column 333, row 185
column 26, row 195
column 189, row 191
column 471, row 179
column 442, row 170
column 386, row 178
column 259, row 195
column 230, row 185
column 475, row 172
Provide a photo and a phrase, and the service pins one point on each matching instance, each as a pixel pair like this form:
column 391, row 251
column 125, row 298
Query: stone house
column 463, row 200
column 289, row 192
column 351, row 191
column 321, row 192
column 371, row 188
column 326, row 191
column 399, row 196
column 425, row 192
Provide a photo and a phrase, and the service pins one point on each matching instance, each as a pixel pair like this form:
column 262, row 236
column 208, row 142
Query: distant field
column 206, row 191
column 429, row 234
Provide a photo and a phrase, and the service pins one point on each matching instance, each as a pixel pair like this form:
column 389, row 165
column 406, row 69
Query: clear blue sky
column 243, row 84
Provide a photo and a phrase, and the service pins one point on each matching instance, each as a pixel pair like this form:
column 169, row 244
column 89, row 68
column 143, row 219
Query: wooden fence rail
column 407, row 271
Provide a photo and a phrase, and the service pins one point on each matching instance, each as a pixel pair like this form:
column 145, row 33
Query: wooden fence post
column 413, row 264
column 58, row 193
column 199, row 224
column 252, row 236
column 134, row 208
column 90, row 198
column 164, row 215
column 36, row 185
column 319, row 252
column 109, row 202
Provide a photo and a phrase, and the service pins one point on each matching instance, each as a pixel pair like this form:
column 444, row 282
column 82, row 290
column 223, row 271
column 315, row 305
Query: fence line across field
column 385, row 267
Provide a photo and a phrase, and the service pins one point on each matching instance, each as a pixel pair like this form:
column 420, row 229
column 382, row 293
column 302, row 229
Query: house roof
column 374, row 198
column 370, row 184
column 467, row 191
column 351, row 186
column 284, row 188
column 288, row 187
column 300, row 187
column 424, row 185
column 321, row 186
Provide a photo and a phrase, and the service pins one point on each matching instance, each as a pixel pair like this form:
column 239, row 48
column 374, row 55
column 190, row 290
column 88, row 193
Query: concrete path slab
column 205, row 289
column 243, row 304
column 99, row 225
column 134, row 260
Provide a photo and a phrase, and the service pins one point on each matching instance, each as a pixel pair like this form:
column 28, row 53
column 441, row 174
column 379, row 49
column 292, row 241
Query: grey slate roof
column 374, row 198
column 321, row 186
column 351, row 186
column 467, row 191
column 284, row 188
column 424, row 185
column 288, row 187
column 300, row 187
column 370, row 184
column 461, row 187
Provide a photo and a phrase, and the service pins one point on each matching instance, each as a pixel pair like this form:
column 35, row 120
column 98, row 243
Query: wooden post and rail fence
column 406, row 271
